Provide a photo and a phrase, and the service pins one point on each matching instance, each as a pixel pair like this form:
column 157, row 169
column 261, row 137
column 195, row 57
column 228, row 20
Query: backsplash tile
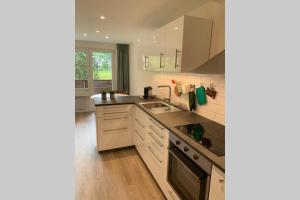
column 214, row 109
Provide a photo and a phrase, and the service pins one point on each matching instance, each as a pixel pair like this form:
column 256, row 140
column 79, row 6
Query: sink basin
column 159, row 107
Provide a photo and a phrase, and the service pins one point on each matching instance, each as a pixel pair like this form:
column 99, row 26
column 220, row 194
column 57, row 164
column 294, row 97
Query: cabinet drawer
column 124, row 108
column 112, row 111
column 139, row 124
column 156, row 142
column 115, row 139
column 141, row 117
column 159, row 131
column 112, row 123
column 156, row 158
column 140, row 135
column 155, row 165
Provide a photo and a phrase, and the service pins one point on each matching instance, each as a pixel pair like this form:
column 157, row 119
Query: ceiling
column 126, row 20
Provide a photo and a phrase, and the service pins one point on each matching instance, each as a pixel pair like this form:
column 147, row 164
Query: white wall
column 214, row 109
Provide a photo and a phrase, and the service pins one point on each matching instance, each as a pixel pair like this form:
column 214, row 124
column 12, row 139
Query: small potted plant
column 103, row 95
column 112, row 94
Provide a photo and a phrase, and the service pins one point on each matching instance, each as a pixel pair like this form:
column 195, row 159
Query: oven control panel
column 191, row 153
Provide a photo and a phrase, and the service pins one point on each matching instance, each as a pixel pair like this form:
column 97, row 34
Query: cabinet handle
column 154, row 122
column 115, row 118
column 115, row 107
column 176, row 54
column 139, row 123
column 139, row 135
column 154, row 154
column 117, row 129
column 160, row 65
column 221, row 180
column 110, row 113
column 157, row 142
column 146, row 61
column 160, row 136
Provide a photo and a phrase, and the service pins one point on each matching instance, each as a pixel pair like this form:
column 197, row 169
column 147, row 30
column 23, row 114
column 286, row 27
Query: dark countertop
column 170, row 120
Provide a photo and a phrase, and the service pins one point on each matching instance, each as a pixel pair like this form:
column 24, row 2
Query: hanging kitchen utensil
column 192, row 98
column 177, row 89
column 201, row 95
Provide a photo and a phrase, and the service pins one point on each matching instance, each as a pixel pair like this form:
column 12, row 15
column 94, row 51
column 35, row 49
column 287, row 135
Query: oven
column 188, row 171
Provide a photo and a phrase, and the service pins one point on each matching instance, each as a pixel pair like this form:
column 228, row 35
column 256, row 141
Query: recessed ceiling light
column 138, row 40
column 97, row 31
column 106, row 37
column 175, row 28
column 84, row 35
column 102, row 17
column 153, row 37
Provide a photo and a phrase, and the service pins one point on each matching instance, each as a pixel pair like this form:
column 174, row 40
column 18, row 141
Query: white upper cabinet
column 173, row 44
column 179, row 46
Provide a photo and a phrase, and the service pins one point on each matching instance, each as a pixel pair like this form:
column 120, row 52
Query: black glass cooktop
column 209, row 134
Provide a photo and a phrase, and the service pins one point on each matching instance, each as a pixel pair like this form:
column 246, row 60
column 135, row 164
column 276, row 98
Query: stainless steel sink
column 159, row 107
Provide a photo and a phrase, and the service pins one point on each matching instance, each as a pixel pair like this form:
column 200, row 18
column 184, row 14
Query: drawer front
column 157, row 129
column 140, row 146
column 141, row 116
column 157, row 143
column 140, row 135
column 154, row 165
column 122, row 108
column 113, row 111
column 114, row 140
column 114, row 123
column 113, row 132
column 156, row 158
column 138, row 123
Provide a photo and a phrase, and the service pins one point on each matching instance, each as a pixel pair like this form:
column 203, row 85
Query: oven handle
column 185, row 165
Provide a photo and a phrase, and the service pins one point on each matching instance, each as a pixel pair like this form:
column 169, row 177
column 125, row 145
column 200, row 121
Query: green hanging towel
column 201, row 96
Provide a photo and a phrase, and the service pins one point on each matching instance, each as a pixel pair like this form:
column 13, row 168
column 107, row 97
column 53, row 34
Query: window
column 81, row 69
column 93, row 71
column 102, row 65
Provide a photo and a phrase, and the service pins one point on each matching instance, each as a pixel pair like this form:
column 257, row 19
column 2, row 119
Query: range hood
column 215, row 65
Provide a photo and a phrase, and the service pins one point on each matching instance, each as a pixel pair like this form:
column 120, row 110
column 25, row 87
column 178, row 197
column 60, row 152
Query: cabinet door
column 173, row 44
column 217, row 185
column 156, row 54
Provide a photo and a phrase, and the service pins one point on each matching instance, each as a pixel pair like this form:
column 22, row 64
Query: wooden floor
column 112, row 175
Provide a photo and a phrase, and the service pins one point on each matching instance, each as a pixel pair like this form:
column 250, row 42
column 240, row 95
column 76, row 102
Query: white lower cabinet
column 217, row 184
column 126, row 125
column 152, row 141
column 113, row 126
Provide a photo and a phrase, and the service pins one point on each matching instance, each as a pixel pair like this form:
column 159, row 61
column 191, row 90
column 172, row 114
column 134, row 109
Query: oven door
column 188, row 180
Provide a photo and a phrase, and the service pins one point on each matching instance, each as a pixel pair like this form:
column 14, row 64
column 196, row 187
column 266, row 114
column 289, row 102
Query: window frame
column 89, row 90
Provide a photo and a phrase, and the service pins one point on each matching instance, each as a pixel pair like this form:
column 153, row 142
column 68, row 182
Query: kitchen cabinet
column 152, row 141
column 140, row 132
column 217, row 185
column 150, row 55
column 157, row 144
column 113, row 126
column 179, row 46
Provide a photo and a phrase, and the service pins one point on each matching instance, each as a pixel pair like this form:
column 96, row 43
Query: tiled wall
column 214, row 109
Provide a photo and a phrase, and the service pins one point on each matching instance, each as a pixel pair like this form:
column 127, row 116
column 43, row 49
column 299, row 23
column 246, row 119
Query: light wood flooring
column 113, row 175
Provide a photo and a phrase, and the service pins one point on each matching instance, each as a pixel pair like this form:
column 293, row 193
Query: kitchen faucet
column 166, row 99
